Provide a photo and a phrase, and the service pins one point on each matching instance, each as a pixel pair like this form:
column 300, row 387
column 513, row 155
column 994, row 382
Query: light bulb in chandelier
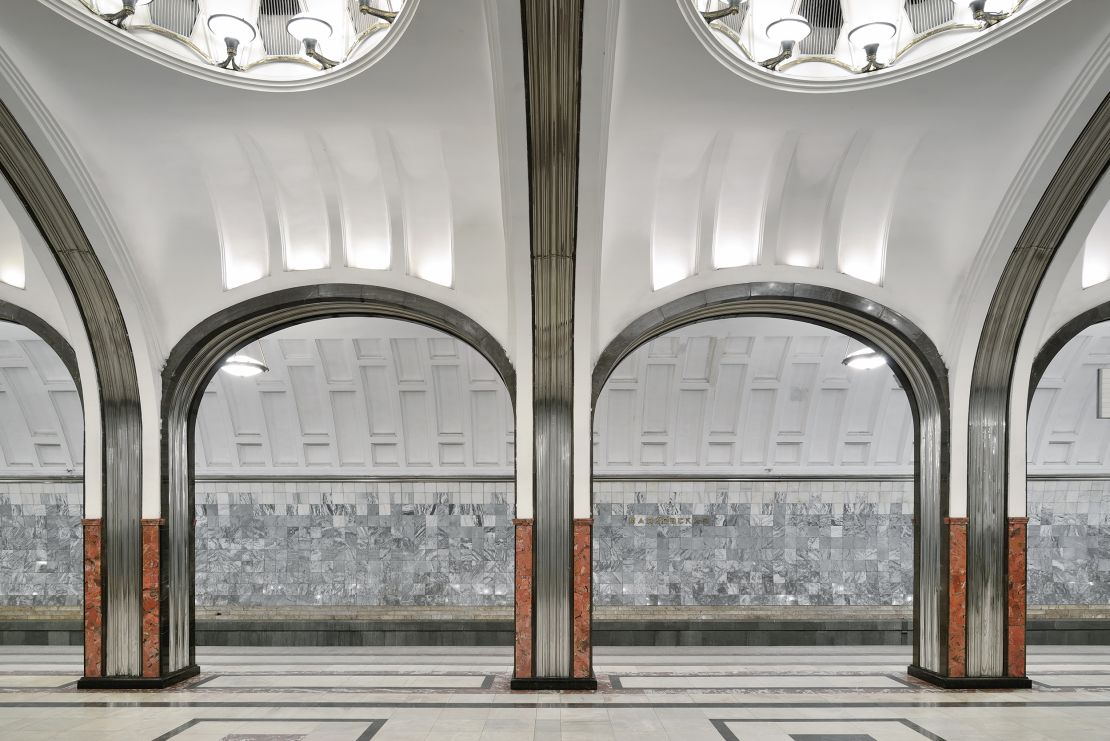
column 234, row 31
column 310, row 30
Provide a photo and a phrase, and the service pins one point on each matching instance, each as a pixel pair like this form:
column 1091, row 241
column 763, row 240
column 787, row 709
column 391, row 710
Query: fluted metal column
column 552, row 65
column 988, row 436
column 121, row 420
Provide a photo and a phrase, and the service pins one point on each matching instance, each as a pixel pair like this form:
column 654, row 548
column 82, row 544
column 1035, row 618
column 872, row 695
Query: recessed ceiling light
column 864, row 359
column 243, row 366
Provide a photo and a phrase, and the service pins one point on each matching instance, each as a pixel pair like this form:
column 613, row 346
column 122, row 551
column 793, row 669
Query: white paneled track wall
column 382, row 397
column 358, row 396
column 41, row 427
column 751, row 396
column 1065, row 434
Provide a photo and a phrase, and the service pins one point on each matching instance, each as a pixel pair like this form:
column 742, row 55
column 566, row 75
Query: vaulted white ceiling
column 897, row 192
column 209, row 193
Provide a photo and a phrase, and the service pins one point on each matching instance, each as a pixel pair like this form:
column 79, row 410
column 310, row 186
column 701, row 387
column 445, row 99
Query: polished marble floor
column 647, row 694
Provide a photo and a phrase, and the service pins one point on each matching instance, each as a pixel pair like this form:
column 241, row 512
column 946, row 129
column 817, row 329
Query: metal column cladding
column 118, row 384
column 552, row 66
column 988, row 439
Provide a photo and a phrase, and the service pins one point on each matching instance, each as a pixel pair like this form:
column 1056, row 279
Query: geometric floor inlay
column 719, row 693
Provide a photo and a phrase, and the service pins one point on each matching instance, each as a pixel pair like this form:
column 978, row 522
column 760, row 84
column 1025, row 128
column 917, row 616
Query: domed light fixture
column 366, row 8
column 125, row 12
column 864, row 359
column 788, row 31
column 234, row 31
column 309, row 30
column 869, row 37
column 243, row 366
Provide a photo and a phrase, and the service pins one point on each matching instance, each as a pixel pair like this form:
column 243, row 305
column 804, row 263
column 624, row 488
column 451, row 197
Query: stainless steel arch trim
column 1062, row 337
column 193, row 362
column 989, row 408
column 14, row 314
column 117, row 383
column 919, row 367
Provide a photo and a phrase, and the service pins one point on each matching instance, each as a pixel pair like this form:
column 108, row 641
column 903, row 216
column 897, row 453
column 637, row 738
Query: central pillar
column 552, row 68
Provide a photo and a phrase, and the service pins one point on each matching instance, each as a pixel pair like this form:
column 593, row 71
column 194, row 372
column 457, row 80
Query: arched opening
column 853, row 323
column 1068, row 489
column 367, row 472
column 384, row 426
column 41, row 489
column 741, row 467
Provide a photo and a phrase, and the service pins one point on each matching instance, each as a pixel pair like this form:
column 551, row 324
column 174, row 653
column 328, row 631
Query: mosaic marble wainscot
column 354, row 544
column 41, row 557
column 1069, row 542
column 753, row 543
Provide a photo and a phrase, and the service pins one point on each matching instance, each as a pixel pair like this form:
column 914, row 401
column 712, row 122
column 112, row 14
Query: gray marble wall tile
column 753, row 543
column 322, row 543
column 40, row 544
column 656, row 543
column 1069, row 542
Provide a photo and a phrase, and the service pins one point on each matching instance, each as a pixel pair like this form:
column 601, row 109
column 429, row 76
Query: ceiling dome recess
column 834, row 39
column 266, row 39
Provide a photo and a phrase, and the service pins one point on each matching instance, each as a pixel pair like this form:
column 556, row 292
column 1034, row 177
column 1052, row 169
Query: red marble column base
column 152, row 597
column 522, row 600
column 957, row 596
column 582, row 664
column 94, row 598
column 1016, row 560
column 957, row 678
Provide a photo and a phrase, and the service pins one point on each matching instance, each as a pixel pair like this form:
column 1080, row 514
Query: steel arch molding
column 991, row 648
column 192, row 364
column 18, row 315
column 920, row 369
column 118, row 620
column 1060, row 338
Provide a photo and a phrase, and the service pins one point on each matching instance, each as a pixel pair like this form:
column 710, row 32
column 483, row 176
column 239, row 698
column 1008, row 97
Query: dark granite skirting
column 41, row 632
column 753, row 633
column 1040, row 632
column 354, row 633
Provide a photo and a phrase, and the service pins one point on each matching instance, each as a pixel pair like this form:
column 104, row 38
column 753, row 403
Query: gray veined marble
column 656, row 543
column 757, row 543
column 327, row 544
column 1069, row 542
column 40, row 545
